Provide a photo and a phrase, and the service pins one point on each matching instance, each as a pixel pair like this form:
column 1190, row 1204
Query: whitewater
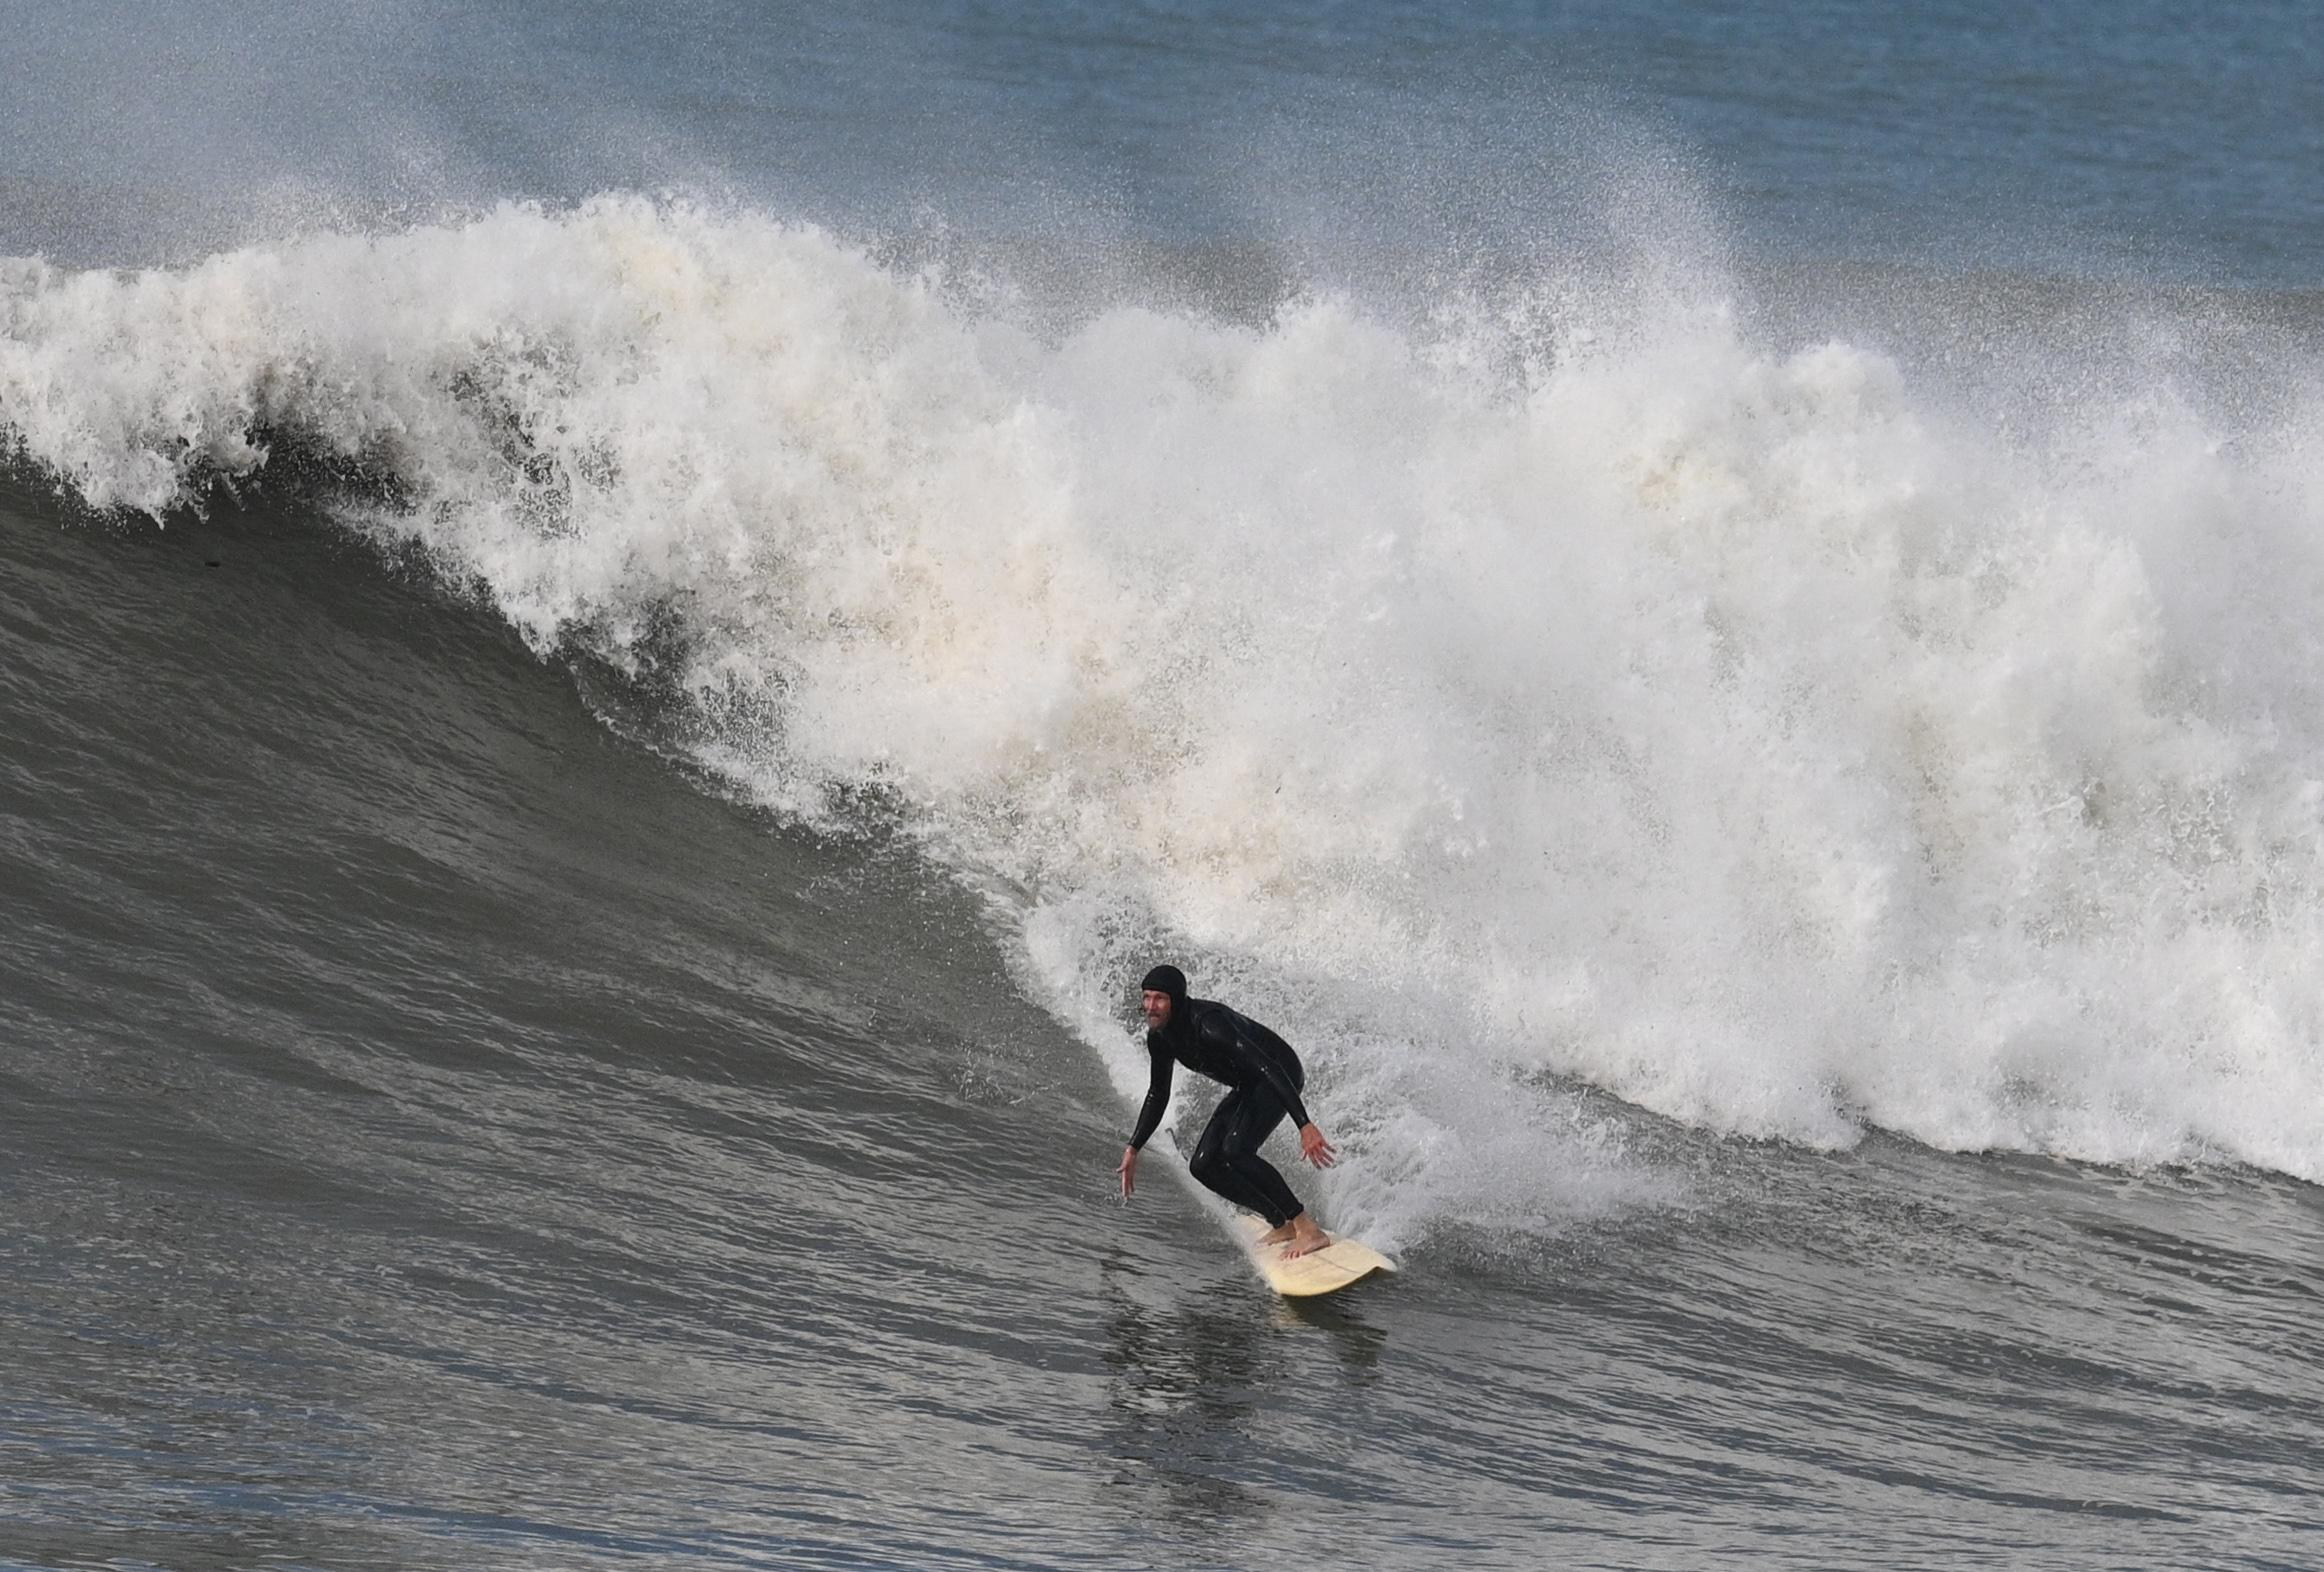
column 1537, row 687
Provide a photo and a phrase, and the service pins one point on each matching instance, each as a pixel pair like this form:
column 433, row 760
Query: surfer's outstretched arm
column 1150, row 1116
column 1157, row 1094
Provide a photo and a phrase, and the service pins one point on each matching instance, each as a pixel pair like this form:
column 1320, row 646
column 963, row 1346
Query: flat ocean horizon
column 622, row 629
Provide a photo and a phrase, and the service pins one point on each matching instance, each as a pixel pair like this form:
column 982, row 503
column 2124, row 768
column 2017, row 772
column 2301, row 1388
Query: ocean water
column 622, row 628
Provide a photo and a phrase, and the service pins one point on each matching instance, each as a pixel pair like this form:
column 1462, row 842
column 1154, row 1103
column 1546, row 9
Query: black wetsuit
column 1265, row 1078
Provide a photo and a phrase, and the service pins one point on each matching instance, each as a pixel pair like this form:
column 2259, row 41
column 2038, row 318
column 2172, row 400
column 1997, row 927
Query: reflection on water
column 1341, row 1318
column 1197, row 1374
column 1186, row 1379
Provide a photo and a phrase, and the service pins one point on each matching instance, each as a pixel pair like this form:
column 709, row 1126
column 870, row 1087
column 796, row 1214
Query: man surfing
column 1264, row 1078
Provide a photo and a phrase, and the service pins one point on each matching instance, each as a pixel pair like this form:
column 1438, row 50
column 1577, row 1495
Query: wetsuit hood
column 1166, row 979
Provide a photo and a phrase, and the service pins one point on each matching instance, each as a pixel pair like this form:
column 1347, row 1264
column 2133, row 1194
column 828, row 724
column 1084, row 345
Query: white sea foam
column 1591, row 695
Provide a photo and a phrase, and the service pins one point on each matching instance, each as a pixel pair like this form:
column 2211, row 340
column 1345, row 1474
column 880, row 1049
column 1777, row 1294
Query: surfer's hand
column 1129, row 1170
column 1315, row 1148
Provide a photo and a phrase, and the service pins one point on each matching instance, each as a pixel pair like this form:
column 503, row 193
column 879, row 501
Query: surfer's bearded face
column 1157, row 1007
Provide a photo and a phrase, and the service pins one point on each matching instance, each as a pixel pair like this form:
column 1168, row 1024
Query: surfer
column 1264, row 1081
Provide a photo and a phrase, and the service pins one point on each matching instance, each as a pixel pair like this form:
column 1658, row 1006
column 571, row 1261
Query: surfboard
column 1324, row 1271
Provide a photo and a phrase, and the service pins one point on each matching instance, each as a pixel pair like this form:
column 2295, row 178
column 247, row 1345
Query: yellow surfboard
column 1324, row 1271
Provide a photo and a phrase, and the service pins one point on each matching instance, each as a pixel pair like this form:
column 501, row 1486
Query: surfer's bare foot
column 1275, row 1236
column 1306, row 1238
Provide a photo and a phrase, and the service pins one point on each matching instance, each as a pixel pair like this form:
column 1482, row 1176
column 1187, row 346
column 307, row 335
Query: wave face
column 1574, row 683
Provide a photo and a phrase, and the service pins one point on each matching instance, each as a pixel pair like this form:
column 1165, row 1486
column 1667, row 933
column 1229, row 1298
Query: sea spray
column 1566, row 689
